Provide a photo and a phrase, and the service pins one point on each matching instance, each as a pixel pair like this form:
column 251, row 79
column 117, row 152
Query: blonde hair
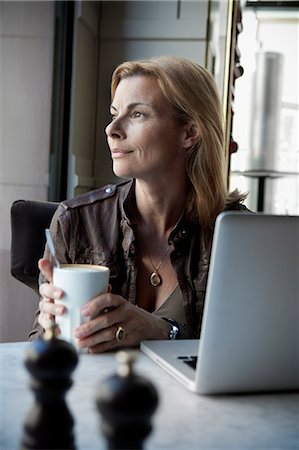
column 192, row 92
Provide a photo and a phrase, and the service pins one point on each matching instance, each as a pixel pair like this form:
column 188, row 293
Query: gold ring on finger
column 120, row 334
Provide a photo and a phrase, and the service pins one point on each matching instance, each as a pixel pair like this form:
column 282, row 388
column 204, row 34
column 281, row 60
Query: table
column 183, row 420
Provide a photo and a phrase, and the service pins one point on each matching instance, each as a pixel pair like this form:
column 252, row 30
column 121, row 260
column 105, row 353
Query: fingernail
column 78, row 333
column 57, row 294
column 85, row 311
column 79, row 343
column 60, row 310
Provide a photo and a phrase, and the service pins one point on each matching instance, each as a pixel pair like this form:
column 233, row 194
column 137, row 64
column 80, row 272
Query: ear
column 191, row 136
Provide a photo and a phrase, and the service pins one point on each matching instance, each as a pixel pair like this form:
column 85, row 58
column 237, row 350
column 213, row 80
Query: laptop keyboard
column 190, row 360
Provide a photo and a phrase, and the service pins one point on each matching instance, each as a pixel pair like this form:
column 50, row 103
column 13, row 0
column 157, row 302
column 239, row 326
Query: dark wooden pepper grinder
column 49, row 423
column 126, row 402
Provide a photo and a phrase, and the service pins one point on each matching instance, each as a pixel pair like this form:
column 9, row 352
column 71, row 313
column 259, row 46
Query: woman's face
column 144, row 139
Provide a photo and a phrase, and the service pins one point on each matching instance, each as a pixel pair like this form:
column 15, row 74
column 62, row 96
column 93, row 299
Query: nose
column 115, row 130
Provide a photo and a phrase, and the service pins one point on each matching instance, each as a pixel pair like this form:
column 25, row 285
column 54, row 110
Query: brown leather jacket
column 94, row 228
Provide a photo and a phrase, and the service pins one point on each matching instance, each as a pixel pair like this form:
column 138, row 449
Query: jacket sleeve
column 187, row 332
column 60, row 226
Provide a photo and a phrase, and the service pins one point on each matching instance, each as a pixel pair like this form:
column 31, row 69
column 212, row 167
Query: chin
column 122, row 172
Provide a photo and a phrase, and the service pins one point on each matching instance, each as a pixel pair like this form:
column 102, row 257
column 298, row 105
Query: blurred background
column 265, row 125
column 56, row 60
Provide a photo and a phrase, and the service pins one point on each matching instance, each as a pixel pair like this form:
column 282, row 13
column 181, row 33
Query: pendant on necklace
column 155, row 279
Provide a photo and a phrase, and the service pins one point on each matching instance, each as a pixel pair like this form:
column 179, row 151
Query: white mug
column 80, row 283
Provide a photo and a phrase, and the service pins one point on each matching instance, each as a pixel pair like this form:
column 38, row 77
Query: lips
column 119, row 153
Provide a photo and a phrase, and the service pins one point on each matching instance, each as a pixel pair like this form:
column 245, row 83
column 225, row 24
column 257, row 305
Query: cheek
column 159, row 134
column 146, row 139
column 151, row 146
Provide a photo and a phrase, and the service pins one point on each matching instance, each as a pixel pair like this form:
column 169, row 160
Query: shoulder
column 109, row 191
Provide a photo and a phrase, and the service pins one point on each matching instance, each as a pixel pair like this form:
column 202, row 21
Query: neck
column 159, row 208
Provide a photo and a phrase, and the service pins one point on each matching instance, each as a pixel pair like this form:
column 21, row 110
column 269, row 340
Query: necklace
column 155, row 278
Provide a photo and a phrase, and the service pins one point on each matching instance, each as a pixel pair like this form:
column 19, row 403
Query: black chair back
column 28, row 222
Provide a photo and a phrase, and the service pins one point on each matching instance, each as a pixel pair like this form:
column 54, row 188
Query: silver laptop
column 250, row 331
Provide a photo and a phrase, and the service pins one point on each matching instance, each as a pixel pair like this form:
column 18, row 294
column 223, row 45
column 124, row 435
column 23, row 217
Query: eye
column 112, row 117
column 137, row 114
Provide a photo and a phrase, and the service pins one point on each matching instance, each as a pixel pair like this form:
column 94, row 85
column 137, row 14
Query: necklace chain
column 155, row 278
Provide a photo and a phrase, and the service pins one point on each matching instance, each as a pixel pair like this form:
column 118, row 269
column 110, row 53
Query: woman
column 153, row 231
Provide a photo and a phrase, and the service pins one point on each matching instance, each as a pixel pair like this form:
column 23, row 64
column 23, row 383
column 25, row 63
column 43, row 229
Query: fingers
column 48, row 307
column 112, row 344
column 45, row 318
column 103, row 338
column 102, row 322
column 101, row 303
column 46, row 268
column 47, row 290
column 48, row 311
column 49, row 293
column 45, row 321
column 99, row 334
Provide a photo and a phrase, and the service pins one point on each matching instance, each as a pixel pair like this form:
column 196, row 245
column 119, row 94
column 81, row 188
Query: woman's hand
column 108, row 312
column 49, row 293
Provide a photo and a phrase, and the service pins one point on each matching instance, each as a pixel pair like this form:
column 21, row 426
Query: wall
column 143, row 29
column 26, row 53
